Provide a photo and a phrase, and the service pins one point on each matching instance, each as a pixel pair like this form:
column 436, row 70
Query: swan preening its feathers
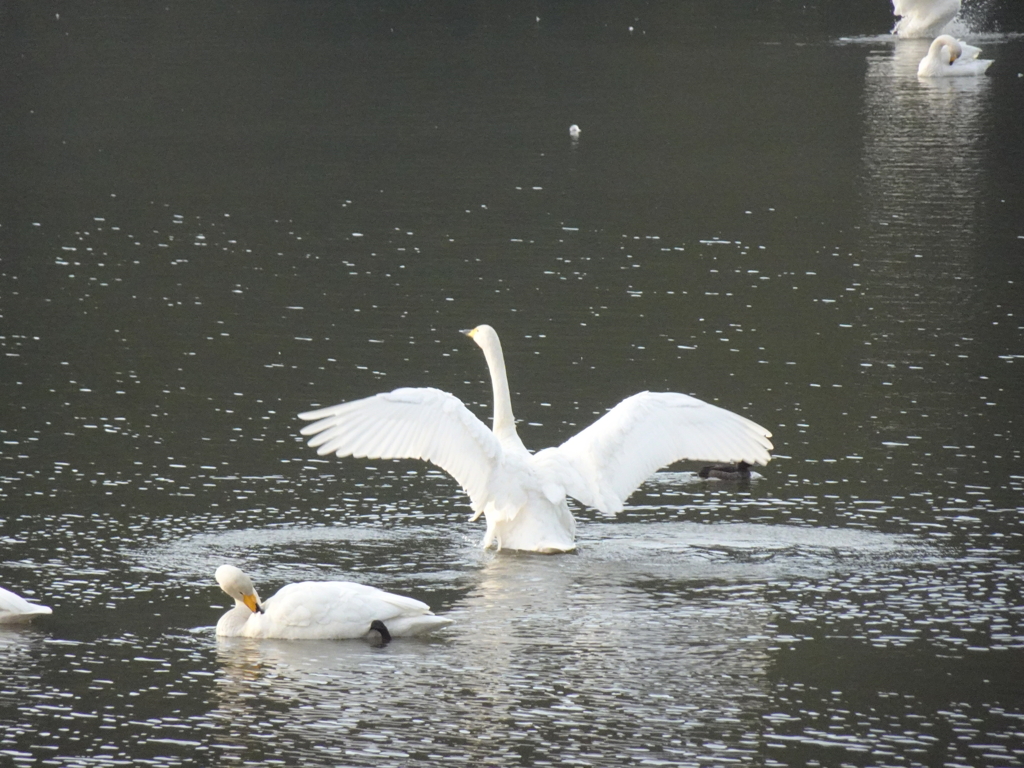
column 923, row 18
column 949, row 57
column 15, row 609
column 523, row 494
column 321, row 610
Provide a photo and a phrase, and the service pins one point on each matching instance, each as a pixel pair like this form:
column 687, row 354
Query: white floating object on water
column 522, row 494
column 15, row 609
column 574, row 131
column 320, row 610
column 949, row 57
column 923, row 18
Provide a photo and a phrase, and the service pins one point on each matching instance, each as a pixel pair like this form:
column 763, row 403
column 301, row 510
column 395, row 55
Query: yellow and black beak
column 252, row 603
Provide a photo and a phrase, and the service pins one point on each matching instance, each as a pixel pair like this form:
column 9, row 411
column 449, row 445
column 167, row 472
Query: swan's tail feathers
column 24, row 617
column 419, row 624
column 546, row 530
column 14, row 609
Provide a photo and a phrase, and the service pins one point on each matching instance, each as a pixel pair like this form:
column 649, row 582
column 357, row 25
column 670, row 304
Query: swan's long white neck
column 504, row 422
column 955, row 51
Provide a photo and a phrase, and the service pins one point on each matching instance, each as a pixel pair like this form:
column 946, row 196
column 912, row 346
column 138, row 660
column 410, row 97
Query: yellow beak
column 252, row 603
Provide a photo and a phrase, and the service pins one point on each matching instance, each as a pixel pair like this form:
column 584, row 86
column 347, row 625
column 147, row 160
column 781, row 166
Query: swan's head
column 236, row 583
column 948, row 42
column 485, row 337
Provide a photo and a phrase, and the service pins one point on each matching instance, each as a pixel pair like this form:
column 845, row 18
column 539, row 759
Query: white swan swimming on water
column 320, row 610
column 523, row 495
column 949, row 57
column 923, row 18
column 15, row 609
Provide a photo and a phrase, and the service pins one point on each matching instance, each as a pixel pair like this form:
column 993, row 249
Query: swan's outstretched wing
column 908, row 7
column 921, row 18
column 928, row 10
column 607, row 461
column 411, row 423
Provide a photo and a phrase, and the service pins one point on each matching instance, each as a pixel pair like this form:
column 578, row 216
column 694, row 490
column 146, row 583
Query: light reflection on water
column 671, row 616
column 833, row 257
column 655, row 640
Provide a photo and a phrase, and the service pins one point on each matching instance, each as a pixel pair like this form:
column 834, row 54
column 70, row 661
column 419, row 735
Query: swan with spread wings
column 523, row 495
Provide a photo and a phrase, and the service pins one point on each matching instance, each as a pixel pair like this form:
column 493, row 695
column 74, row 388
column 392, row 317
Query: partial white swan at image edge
column 15, row 609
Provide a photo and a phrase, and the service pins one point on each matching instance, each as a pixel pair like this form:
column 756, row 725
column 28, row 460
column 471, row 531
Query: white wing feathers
column 333, row 603
column 600, row 467
column 968, row 52
column 411, row 423
column 929, row 9
column 607, row 461
column 923, row 18
column 338, row 609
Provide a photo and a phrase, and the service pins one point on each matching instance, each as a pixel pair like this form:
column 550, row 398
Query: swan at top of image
column 949, row 57
column 523, row 495
column 15, row 609
column 321, row 610
column 923, row 18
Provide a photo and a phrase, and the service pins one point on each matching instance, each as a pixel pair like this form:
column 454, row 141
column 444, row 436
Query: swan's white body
column 949, row 57
column 923, row 18
column 523, row 495
column 15, row 609
column 318, row 610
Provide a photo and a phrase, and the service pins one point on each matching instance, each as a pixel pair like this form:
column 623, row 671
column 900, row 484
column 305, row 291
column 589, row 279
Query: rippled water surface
column 215, row 218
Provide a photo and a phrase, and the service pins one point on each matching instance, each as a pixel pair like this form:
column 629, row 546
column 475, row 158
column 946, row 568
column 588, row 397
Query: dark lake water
column 215, row 216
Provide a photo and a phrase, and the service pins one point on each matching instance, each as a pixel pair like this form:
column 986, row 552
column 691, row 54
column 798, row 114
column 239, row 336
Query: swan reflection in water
column 314, row 695
column 923, row 178
column 20, row 647
column 903, row 114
